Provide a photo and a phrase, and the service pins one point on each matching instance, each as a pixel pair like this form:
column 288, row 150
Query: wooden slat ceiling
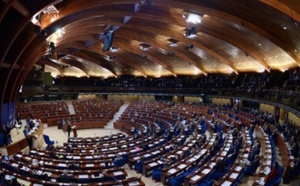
column 233, row 36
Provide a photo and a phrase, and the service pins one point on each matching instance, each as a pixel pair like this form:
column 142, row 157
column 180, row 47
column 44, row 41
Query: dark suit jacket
column 65, row 178
column 220, row 166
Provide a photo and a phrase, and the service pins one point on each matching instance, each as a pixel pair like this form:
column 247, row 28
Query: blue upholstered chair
column 156, row 174
column 276, row 181
column 218, row 175
column 138, row 166
column 119, row 163
column 206, row 183
column 47, row 140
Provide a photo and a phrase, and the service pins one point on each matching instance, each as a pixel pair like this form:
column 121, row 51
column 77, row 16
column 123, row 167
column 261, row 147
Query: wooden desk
column 37, row 137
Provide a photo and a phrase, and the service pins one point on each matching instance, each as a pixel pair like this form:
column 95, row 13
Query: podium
column 74, row 129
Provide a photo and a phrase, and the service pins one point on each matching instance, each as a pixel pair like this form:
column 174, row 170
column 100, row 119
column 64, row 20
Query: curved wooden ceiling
column 233, row 36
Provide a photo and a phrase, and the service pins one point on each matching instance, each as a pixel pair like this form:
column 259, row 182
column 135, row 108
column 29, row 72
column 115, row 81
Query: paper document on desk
column 62, row 165
column 171, row 171
column 261, row 181
column 205, row 171
column 267, row 170
column 153, row 164
column 133, row 183
column 226, row 183
column 118, row 173
column 233, row 175
column 83, row 176
column 181, row 166
column 195, row 178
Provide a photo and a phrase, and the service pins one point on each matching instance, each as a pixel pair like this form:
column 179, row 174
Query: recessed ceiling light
column 194, row 18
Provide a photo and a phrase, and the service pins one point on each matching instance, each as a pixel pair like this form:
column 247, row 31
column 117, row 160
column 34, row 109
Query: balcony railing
column 288, row 98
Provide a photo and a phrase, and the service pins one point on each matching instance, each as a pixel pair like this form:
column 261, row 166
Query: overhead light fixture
column 60, row 33
column 190, row 32
column 113, row 49
column 193, row 18
column 188, row 46
column 170, row 53
column 173, row 42
column 144, row 46
column 56, row 36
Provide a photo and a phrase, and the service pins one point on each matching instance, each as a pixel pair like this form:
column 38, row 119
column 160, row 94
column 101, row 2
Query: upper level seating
column 43, row 110
column 97, row 108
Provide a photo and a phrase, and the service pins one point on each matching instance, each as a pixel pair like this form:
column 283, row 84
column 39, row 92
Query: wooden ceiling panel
column 232, row 36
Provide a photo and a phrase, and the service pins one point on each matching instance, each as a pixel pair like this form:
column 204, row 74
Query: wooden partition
column 17, row 146
column 87, row 125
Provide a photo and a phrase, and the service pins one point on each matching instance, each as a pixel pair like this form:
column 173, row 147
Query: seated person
column 213, row 149
column 14, row 182
column 220, row 166
column 69, row 149
column 35, row 163
column 252, row 166
column 25, row 170
column 52, row 155
column 73, row 166
column 118, row 157
column 231, row 157
column 274, row 172
column 104, row 176
column 296, row 169
column 3, row 181
column 173, row 159
column 256, row 161
column 234, row 154
column 164, row 161
column 65, row 177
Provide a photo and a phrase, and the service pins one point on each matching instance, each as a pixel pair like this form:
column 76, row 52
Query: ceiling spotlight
column 173, row 42
column 187, row 47
column 193, row 18
column 144, row 46
column 113, row 49
column 170, row 53
column 190, row 32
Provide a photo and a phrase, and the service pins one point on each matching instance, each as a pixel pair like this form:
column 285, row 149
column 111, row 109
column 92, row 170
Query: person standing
column 28, row 137
column 69, row 128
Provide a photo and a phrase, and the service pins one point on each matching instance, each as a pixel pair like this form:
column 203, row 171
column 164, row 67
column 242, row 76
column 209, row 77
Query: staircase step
column 71, row 109
column 110, row 124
